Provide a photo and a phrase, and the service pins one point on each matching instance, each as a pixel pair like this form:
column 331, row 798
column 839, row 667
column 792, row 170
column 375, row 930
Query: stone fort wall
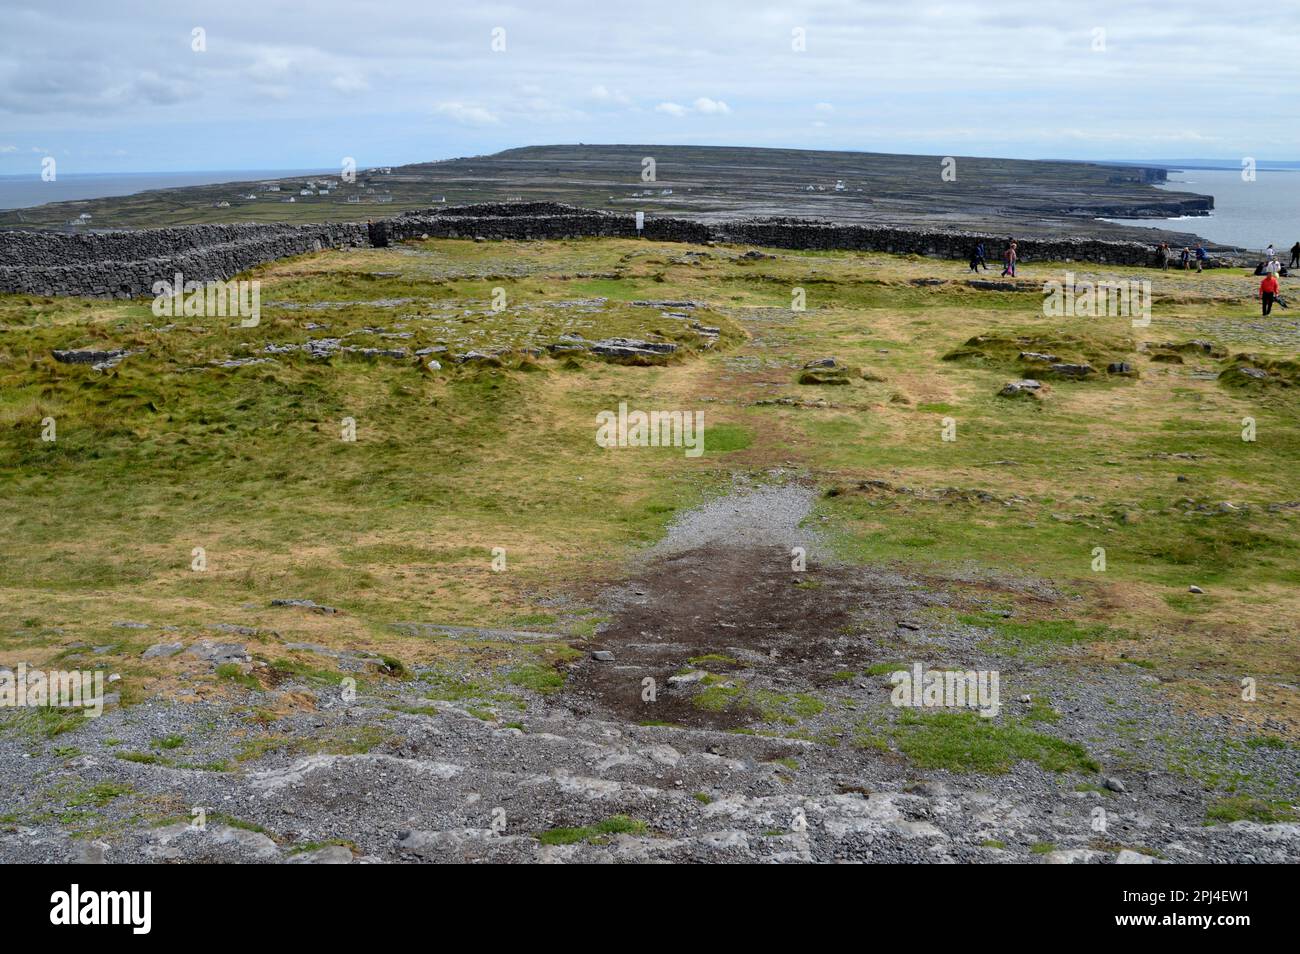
column 126, row 263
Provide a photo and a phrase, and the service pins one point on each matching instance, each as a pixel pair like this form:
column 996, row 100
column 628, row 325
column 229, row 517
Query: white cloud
column 711, row 106
column 580, row 73
column 8, row 148
column 469, row 115
column 703, row 105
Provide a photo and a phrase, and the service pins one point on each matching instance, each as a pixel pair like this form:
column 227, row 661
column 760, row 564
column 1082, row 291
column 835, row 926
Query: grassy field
column 169, row 451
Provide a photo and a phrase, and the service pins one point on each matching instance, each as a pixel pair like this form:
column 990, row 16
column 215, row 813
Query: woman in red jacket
column 1268, row 292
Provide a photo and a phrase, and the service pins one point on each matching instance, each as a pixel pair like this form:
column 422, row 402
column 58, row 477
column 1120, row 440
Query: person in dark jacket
column 1295, row 255
column 977, row 258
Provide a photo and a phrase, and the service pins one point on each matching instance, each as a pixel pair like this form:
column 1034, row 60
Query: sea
column 1246, row 214
column 25, row 191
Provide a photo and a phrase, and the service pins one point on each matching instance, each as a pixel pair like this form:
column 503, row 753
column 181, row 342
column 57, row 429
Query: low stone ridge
column 127, row 263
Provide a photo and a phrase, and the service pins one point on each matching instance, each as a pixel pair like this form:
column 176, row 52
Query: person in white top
column 1271, row 252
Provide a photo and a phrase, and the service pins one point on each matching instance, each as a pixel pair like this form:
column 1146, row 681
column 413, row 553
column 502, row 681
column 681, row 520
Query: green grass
column 598, row 833
column 543, row 679
column 99, row 794
column 232, row 672
column 1246, row 808
column 967, row 742
column 724, row 438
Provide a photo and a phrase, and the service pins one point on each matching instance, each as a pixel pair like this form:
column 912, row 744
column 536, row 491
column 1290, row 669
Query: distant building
column 839, row 185
column 306, row 192
column 223, row 204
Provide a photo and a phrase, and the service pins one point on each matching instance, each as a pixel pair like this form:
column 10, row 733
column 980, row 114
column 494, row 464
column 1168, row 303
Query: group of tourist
column 1009, row 258
column 1164, row 255
column 1271, row 268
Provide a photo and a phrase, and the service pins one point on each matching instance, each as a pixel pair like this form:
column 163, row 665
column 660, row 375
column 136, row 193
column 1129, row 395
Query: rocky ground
column 597, row 773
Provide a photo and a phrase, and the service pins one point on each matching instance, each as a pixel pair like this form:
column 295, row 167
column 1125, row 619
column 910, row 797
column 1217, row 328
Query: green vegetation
column 967, row 742
column 597, row 834
column 1245, row 808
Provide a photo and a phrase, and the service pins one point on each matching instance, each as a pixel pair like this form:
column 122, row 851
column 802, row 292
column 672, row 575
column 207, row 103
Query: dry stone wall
column 126, row 264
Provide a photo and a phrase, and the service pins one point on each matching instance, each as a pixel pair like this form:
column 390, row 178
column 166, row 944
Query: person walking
column 1295, row 255
column 1186, row 258
column 1202, row 256
column 1162, row 255
column 977, row 258
column 1009, row 256
column 1271, row 252
column 1268, row 293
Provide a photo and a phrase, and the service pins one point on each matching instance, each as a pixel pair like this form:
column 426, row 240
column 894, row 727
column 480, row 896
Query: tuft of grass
column 1245, row 808
column 543, row 679
column 99, row 794
column 596, row 834
column 233, row 673
column 967, row 742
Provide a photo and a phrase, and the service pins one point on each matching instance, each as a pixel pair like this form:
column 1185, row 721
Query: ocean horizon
column 1248, row 215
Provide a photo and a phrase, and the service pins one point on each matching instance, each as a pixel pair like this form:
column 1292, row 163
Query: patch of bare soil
column 760, row 630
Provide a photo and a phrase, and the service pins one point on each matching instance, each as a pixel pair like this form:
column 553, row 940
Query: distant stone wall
column 791, row 233
column 125, row 264
column 540, row 220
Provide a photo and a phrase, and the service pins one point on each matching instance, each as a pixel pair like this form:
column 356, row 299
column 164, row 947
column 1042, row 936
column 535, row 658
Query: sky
column 128, row 86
